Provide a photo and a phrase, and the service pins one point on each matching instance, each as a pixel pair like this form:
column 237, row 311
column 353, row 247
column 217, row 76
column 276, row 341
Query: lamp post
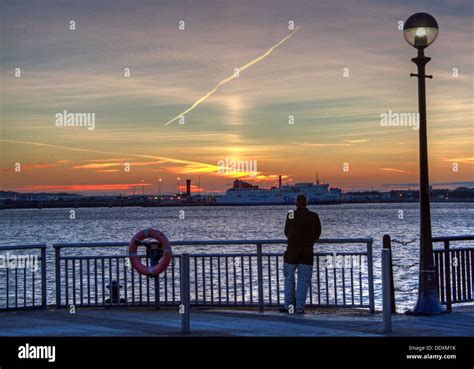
column 420, row 30
column 159, row 187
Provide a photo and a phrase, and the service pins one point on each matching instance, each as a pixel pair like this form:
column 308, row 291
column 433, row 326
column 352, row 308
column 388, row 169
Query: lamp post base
column 427, row 304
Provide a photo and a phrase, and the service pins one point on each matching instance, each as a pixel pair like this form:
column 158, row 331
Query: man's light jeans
column 297, row 300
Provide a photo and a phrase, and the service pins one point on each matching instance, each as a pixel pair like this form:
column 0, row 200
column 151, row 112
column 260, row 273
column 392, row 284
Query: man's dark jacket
column 302, row 231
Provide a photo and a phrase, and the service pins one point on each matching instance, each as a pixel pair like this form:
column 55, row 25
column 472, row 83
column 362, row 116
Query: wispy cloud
column 356, row 141
column 121, row 160
column 305, row 144
column 162, row 159
column 84, row 187
column 394, row 170
column 31, row 166
column 465, row 160
column 100, row 165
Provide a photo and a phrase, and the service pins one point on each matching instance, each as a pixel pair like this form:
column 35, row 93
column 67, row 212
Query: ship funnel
column 188, row 188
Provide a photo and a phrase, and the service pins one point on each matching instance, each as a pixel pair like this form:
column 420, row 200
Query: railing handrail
column 464, row 237
column 125, row 255
column 464, row 248
column 220, row 242
column 23, row 247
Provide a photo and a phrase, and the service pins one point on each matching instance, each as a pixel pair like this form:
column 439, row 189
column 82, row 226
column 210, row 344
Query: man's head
column 155, row 245
column 301, row 201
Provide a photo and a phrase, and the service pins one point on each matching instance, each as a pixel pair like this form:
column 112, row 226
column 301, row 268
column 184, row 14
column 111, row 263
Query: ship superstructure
column 244, row 193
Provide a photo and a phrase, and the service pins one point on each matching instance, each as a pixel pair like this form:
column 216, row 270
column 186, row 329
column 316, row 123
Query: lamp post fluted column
column 428, row 299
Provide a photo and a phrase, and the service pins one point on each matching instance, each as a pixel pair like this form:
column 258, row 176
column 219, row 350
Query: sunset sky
column 336, row 118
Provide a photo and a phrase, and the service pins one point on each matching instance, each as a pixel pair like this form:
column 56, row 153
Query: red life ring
column 135, row 259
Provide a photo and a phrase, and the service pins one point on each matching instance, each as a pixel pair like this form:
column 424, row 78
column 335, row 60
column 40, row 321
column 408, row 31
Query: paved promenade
column 235, row 322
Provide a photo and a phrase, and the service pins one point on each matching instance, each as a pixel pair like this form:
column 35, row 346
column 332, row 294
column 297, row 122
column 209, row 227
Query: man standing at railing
column 302, row 228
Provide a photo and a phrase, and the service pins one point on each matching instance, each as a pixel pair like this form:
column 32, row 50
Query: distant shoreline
column 101, row 204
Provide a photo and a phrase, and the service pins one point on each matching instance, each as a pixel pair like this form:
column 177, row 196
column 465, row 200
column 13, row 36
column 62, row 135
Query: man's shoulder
column 306, row 212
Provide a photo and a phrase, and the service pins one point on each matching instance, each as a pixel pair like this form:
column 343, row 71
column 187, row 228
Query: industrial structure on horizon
column 241, row 193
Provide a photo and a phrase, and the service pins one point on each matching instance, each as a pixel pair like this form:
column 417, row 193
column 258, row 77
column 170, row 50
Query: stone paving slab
column 148, row 321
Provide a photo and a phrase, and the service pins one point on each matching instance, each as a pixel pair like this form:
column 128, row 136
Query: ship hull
column 327, row 202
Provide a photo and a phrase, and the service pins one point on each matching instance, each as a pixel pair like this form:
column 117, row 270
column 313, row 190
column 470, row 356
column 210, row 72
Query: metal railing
column 103, row 276
column 23, row 277
column 455, row 270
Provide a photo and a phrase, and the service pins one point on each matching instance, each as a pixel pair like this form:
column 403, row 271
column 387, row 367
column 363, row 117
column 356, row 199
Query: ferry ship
column 244, row 193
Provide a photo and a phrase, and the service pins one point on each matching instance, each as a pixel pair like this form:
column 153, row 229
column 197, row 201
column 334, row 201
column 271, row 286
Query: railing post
column 370, row 268
column 260, row 277
column 57, row 262
column 447, row 268
column 387, row 244
column 43, row 278
column 157, row 291
column 386, row 291
column 185, row 306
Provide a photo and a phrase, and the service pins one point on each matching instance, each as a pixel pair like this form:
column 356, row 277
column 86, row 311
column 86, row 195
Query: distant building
column 363, row 196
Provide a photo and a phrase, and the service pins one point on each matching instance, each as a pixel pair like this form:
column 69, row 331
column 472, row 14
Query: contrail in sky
column 162, row 158
column 228, row 79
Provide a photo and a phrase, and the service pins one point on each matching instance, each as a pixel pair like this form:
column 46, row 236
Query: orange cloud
column 106, row 160
column 96, row 165
column 396, row 170
column 194, row 168
column 356, row 141
column 283, row 176
column 82, row 187
column 37, row 166
column 107, row 165
column 466, row 160
column 304, row 144
column 160, row 158
column 30, row 166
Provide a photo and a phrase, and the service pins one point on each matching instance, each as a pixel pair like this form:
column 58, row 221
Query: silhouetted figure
column 154, row 253
column 302, row 228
